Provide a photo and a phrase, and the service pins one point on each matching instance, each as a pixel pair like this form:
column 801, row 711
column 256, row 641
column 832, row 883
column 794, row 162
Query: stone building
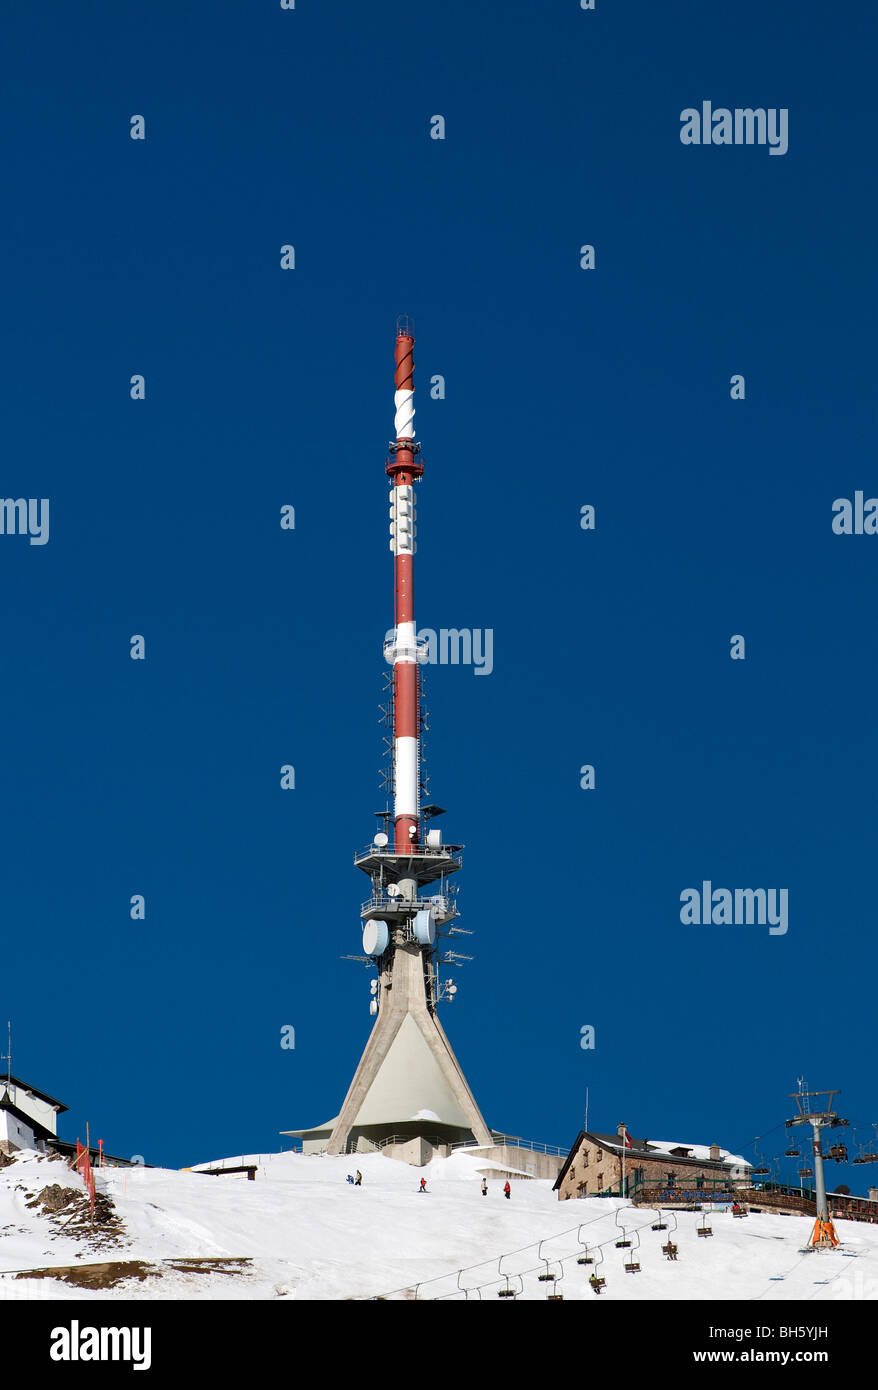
column 594, row 1166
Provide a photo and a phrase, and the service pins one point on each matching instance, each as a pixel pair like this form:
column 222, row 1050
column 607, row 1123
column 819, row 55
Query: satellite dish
column 424, row 927
column 380, row 839
column 376, row 937
column 393, row 890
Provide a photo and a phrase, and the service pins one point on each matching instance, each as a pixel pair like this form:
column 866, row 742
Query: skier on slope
column 423, row 1186
column 507, row 1191
column 484, row 1187
column 359, row 1179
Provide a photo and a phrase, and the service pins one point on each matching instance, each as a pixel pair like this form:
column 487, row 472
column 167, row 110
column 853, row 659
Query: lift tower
column 823, row 1235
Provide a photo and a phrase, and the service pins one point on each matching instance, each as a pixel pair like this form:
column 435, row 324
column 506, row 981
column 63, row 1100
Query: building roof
column 39, row 1131
column 41, row 1095
column 65, row 1146
column 656, row 1150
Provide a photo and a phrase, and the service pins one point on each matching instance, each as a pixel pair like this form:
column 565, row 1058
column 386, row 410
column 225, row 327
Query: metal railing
column 515, row 1142
column 420, row 851
column 375, row 1145
column 382, row 902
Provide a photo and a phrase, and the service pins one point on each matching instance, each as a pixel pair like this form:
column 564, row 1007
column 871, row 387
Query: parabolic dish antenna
column 424, row 927
column 376, row 937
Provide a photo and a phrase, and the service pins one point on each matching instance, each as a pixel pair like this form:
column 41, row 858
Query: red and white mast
column 403, row 468
column 408, row 1081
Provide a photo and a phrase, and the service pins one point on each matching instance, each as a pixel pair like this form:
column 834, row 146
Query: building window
column 699, row 1181
column 585, row 1157
column 672, row 1178
column 600, row 1182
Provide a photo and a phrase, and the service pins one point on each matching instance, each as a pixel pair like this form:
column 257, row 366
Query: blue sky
column 564, row 387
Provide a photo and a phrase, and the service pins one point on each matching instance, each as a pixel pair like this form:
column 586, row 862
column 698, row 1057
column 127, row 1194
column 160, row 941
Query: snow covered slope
column 300, row 1230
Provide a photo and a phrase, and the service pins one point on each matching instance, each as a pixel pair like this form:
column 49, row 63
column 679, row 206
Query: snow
column 699, row 1151
column 312, row 1235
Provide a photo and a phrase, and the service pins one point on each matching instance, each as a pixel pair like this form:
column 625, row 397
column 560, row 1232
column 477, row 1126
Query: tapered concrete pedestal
column 409, row 1084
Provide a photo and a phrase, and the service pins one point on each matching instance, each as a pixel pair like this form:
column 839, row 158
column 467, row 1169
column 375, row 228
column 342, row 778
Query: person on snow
column 507, row 1191
column 423, row 1186
column 484, row 1187
column 358, row 1182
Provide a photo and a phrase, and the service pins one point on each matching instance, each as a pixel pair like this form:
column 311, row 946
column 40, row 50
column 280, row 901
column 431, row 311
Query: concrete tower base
column 408, row 1092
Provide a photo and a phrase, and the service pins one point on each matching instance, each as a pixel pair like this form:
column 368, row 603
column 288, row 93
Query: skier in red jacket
column 507, row 1191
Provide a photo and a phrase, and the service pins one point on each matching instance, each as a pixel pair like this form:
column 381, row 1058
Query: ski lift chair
column 548, row 1277
column 466, row 1291
column 703, row 1228
column 585, row 1258
column 623, row 1243
column 867, row 1152
column 508, row 1291
column 552, row 1294
column 669, row 1249
column 632, row 1263
column 596, row 1280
